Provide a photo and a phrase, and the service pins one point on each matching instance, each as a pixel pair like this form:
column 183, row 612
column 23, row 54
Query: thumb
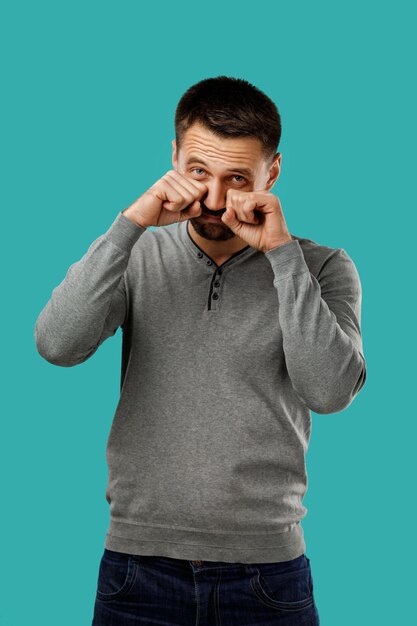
column 195, row 208
column 229, row 216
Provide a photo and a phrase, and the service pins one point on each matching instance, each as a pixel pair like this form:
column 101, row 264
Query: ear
column 274, row 171
column 174, row 154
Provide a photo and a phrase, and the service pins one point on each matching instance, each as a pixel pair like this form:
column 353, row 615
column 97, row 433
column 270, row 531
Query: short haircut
column 230, row 107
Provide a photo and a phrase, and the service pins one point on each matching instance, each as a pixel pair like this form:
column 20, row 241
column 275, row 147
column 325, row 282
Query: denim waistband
column 187, row 566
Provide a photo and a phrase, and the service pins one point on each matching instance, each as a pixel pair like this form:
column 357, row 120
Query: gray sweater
column 221, row 368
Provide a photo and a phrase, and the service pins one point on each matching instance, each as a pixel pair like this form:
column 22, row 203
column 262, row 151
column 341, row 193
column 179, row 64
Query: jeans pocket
column 285, row 590
column 117, row 574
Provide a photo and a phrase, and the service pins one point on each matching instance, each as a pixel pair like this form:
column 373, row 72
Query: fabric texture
column 220, row 370
column 139, row 590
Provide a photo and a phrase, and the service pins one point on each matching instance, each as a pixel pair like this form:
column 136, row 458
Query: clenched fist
column 173, row 198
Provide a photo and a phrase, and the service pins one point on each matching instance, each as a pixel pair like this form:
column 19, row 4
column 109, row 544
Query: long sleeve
column 89, row 305
column 320, row 320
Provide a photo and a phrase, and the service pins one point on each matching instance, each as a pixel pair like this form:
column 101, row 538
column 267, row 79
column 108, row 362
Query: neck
column 216, row 249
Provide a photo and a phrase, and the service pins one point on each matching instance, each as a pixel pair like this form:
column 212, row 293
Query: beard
column 214, row 231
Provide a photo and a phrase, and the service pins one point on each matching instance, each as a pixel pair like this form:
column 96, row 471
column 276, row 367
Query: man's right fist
column 173, row 198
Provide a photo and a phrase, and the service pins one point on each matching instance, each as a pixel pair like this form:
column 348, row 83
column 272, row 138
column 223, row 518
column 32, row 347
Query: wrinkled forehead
column 234, row 153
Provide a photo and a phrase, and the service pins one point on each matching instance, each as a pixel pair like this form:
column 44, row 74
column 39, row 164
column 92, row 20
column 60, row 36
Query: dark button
column 209, row 262
column 215, row 296
column 219, row 272
column 217, row 284
column 199, row 254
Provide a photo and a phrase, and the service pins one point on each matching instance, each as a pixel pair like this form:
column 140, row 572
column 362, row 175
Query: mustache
column 208, row 211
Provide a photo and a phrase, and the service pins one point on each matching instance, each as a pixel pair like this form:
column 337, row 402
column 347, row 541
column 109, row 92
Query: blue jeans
column 135, row 590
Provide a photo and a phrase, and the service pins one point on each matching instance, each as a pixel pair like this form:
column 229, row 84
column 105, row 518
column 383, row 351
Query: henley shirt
column 221, row 367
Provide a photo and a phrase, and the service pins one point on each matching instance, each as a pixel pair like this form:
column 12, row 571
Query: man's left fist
column 257, row 218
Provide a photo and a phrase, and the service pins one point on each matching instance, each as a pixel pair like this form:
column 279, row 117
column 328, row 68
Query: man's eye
column 234, row 175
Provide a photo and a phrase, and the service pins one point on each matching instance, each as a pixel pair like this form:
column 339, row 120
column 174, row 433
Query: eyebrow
column 242, row 170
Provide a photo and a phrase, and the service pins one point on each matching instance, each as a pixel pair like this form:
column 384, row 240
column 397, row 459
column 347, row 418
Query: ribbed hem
column 194, row 545
column 124, row 233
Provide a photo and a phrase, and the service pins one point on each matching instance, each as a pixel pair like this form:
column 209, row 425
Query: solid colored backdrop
column 89, row 91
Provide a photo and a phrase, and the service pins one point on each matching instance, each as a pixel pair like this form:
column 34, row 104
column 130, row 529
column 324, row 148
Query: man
column 233, row 331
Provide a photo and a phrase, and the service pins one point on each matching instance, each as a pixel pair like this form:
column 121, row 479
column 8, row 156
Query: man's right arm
column 89, row 305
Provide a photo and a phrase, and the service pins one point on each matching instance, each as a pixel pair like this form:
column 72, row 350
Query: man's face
column 222, row 164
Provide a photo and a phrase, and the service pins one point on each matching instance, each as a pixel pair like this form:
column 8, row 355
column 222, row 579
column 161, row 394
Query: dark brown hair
column 230, row 107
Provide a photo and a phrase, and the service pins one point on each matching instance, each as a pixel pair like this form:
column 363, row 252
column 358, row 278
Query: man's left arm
column 320, row 320
column 319, row 317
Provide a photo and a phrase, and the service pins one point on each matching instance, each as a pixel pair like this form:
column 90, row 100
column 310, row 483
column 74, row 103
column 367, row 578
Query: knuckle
column 169, row 175
column 173, row 193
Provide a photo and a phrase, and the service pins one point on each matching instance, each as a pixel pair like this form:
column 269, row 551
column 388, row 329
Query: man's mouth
column 213, row 213
column 212, row 218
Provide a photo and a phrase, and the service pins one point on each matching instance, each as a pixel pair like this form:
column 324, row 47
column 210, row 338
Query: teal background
column 89, row 91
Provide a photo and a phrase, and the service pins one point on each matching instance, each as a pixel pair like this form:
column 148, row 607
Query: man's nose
column 215, row 198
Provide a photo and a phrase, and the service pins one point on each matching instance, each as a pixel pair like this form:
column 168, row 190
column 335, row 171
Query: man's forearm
column 320, row 326
column 89, row 304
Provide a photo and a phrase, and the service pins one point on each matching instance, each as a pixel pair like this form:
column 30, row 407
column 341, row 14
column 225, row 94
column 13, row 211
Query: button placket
column 215, row 286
